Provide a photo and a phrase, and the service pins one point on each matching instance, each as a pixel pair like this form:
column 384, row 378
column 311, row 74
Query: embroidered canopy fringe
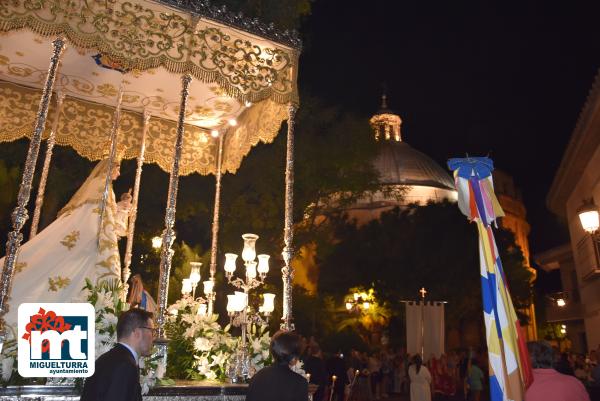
column 85, row 127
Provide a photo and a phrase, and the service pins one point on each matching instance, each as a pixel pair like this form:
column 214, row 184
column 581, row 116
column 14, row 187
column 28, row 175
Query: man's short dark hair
column 131, row 320
column 285, row 346
column 541, row 354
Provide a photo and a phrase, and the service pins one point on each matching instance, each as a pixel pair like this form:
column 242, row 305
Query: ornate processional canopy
column 242, row 83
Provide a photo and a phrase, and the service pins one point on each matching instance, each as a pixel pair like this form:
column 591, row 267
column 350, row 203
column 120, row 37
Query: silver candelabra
column 240, row 313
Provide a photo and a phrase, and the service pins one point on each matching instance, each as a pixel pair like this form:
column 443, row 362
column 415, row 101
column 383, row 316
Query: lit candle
column 186, row 286
column 241, row 301
column 268, row 303
column 230, row 259
column 249, row 252
column 231, row 303
column 251, row 270
column 209, row 286
column 263, row 264
column 195, row 273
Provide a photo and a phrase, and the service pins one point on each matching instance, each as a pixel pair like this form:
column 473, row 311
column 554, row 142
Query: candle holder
column 241, row 314
column 188, row 289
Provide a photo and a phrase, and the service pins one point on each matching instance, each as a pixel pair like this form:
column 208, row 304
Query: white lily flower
column 7, row 368
column 202, row 344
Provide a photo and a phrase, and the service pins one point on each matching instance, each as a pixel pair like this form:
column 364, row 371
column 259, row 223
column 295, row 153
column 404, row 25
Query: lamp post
column 240, row 313
column 360, row 301
column 156, row 243
column 589, row 217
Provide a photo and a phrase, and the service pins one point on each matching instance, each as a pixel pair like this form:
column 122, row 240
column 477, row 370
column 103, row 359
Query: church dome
column 399, row 164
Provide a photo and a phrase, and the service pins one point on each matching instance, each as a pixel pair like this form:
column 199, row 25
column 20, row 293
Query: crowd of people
column 362, row 376
column 356, row 377
column 584, row 367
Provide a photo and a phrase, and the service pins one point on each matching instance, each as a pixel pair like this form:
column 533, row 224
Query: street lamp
column 360, row 301
column 589, row 217
column 156, row 242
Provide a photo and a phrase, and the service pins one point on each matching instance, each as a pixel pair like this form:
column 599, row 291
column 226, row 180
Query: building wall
column 515, row 220
column 368, row 209
column 583, row 248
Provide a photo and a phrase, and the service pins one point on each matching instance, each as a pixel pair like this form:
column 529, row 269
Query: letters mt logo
column 56, row 340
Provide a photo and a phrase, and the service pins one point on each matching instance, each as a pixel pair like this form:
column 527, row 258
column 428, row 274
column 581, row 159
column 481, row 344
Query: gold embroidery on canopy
column 85, row 126
column 146, row 35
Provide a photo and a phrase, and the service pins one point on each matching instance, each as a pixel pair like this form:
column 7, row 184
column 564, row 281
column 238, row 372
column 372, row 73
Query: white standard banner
column 425, row 329
column 434, row 336
column 414, row 335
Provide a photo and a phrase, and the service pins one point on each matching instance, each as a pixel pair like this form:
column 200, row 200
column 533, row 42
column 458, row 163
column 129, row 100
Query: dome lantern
column 386, row 124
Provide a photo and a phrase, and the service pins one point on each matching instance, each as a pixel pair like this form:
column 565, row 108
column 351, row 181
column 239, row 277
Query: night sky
column 507, row 81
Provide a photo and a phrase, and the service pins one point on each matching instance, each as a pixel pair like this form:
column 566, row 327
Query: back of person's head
column 418, row 362
column 541, row 354
column 131, row 320
column 285, row 346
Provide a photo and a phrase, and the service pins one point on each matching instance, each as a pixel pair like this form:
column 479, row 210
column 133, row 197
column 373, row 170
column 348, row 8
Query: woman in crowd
column 420, row 380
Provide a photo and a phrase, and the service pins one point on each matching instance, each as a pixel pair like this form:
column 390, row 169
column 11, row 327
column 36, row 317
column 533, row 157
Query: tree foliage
column 285, row 14
column 432, row 247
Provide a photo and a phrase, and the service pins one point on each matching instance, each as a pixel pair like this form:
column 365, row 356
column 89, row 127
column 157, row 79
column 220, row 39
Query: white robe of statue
column 53, row 266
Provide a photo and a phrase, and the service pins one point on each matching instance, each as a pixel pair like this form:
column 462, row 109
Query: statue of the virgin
column 53, row 266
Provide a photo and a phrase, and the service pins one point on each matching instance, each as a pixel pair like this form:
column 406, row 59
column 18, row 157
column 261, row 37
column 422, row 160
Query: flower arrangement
column 108, row 306
column 259, row 342
column 199, row 348
column 8, row 359
column 105, row 297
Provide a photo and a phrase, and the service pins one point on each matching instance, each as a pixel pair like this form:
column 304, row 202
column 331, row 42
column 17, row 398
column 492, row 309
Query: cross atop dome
column 386, row 123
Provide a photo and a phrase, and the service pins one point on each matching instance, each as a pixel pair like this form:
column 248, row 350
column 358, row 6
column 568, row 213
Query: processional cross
column 423, row 292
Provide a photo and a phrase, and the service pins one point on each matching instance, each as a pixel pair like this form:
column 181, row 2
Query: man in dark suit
column 117, row 377
column 278, row 382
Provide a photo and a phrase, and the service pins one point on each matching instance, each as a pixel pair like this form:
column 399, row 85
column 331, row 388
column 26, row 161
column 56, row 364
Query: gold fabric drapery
column 142, row 35
column 237, row 76
column 85, row 126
